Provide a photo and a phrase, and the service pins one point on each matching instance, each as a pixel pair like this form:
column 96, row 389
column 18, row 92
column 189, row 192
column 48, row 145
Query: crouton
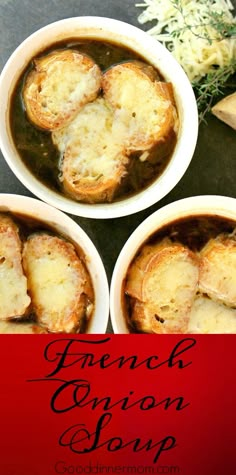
column 19, row 327
column 217, row 275
column 208, row 316
column 93, row 159
column 163, row 279
column 225, row 110
column 14, row 299
column 58, row 282
column 58, row 86
column 144, row 107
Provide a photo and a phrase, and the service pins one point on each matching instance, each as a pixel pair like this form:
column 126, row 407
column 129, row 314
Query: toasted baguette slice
column 217, row 277
column 208, row 316
column 14, row 299
column 94, row 159
column 59, row 85
column 20, row 327
column 144, row 108
column 225, row 110
column 163, row 279
column 59, row 284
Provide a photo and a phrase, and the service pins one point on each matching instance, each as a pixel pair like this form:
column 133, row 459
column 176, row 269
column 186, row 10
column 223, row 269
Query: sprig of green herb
column 212, row 86
column 213, row 24
column 222, row 29
column 216, row 20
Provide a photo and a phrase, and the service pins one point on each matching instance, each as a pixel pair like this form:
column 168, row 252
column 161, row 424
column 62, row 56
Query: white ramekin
column 208, row 205
column 61, row 223
column 129, row 36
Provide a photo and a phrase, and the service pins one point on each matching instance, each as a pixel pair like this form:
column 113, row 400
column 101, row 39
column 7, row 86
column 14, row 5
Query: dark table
column 212, row 169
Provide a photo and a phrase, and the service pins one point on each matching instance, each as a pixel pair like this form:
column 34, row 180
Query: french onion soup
column 45, row 286
column 183, row 279
column 94, row 121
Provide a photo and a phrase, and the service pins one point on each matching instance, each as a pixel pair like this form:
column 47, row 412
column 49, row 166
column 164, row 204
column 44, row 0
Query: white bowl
column 59, row 222
column 154, row 53
column 188, row 207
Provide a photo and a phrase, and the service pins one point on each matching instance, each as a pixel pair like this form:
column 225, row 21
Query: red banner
column 111, row 404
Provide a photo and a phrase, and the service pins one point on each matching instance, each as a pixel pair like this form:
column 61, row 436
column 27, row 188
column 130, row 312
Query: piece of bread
column 163, row 281
column 58, row 282
column 144, row 108
column 217, row 275
column 225, row 110
column 19, row 327
column 208, row 316
column 14, row 300
column 58, row 86
column 93, row 159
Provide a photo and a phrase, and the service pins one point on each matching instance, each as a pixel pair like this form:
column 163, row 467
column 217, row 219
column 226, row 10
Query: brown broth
column 42, row 157
column 193, row 232
column 27, row 226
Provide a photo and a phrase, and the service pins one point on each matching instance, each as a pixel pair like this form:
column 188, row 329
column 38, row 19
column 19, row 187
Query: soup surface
column 44, row 277
column 181, row 279
column 42, row 157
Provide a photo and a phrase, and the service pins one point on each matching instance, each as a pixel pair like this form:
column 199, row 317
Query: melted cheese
column 94, row 146
column 53, row 276
column 13, row 285
column 71, row 88
column 208, row 316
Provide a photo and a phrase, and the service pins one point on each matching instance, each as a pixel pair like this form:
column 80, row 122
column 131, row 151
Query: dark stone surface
column 213, row 167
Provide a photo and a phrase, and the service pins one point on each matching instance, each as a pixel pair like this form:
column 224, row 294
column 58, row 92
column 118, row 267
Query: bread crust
column 217, row 276
column 93, row 159
column 58, row 86
column 144, row 107
column 20, row 327
column 163, row 280
column 14, row 300
column 58, row 282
